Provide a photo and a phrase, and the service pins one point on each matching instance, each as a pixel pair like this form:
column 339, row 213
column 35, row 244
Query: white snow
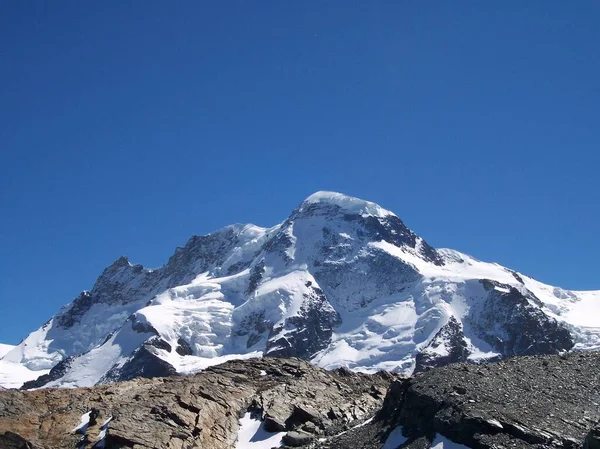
column 83, row 425
column 5, row 349
column 395, row 439
column 13, row 375
column 252, row 435
column 351, row 204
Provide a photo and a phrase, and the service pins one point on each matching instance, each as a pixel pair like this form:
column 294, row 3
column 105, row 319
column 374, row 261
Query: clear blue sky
column 126, row 127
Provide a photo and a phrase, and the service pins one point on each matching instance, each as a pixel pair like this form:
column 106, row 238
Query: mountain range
column 341, row 282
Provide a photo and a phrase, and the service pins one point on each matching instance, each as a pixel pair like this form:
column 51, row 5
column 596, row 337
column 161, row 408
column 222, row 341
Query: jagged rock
column 537, row 402
column 526, row 330
column 199, row 411
column 11, row 440
column 183, row 347
column 592, row 440
column 447, row 346
column 143, row 363
column 297, row 438
column 314, row 324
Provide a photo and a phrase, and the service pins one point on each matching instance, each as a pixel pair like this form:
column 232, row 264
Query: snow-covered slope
column 4, row 349
column 342, row 282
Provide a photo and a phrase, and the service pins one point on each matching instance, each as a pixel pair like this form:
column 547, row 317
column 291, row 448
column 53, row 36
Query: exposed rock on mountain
column 201, row 411
column 341, row 282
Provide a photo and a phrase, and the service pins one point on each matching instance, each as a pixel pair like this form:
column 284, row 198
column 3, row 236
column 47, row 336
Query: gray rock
column 297, row 438
column 452, row 339
column 537, row 402
column 199, row 411
column 592, row 440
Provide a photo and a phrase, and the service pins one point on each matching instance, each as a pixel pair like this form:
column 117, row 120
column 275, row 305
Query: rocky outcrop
column 309, row 331
column 447, row 346
column 513, row 323
column 200, row 411
column 524, row 402
column 56, row 372
column 592, row 441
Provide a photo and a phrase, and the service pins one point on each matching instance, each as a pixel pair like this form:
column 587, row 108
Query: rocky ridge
column 529, row 402
column 539, row 402
column 199, row 411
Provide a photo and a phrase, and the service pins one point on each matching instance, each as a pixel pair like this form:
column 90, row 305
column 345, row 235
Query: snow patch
column 252, row 435
column 395, row 439
column 83, row 425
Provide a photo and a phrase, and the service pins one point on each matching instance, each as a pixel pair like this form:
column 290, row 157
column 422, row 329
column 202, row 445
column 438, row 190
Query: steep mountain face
column 341, row 282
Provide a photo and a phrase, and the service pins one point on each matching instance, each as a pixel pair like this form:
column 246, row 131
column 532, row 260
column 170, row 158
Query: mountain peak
column 350, row 204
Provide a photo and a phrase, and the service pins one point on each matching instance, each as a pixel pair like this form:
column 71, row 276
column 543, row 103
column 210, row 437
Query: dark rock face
column 10, row 440
column 308, row 332
column 447, row 346
column 297, row 438
column 525, row 329
column 199, row 411
column 255, row 277
column 78, row 308
column 55, row 373
column 255, row 326
column 524, row 402
column 123, row 283
column 279, row 244
column 392, row 229
column 592, row 441
column 183, row 347
column 143, row 363
column 113, row 286
column 199, row 254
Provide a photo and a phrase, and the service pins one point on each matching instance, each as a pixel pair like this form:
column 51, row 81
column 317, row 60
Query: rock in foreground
column 200, row 411
column 523, row 402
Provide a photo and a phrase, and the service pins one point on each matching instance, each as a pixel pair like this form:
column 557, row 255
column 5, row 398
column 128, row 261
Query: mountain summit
column 340, row 282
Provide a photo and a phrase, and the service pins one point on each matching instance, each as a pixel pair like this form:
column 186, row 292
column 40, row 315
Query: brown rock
column 199, row 411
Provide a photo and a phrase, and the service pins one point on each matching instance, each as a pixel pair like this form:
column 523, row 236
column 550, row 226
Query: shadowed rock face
column 200, row 411
column 524, row 402
column 447, row 346
column 309, row 331
column 513, row 326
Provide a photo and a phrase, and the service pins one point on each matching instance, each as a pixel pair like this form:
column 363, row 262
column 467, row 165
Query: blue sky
column 126, row 127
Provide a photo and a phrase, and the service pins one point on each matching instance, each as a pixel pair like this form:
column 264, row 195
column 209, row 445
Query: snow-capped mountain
column 342, row 282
